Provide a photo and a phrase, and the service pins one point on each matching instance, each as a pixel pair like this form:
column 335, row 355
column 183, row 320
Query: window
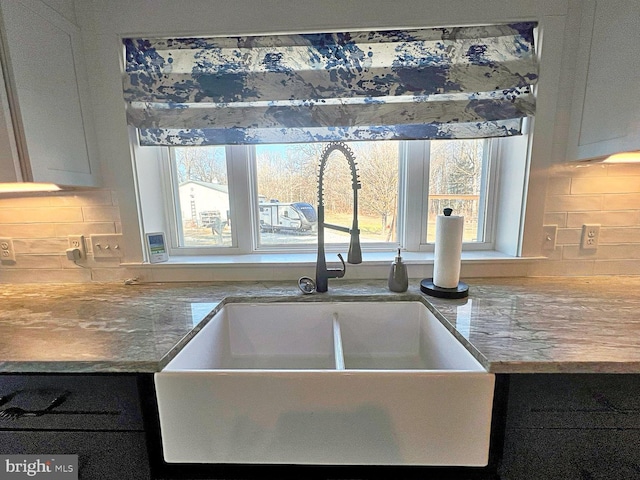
column 245, row 118
column 282, row 186
column 458, row 176
column 201, row 180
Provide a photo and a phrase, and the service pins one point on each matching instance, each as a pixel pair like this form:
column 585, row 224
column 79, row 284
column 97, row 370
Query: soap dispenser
column 398, row 278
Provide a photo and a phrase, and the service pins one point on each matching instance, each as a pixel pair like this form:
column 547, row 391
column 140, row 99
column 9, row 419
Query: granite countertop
column 511, row 325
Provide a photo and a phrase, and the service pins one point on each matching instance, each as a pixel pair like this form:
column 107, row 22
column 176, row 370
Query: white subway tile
column 71, row 265
column 556, row 218
column 52, row 262
column 41, row 215
column 620, row 235
column 555, row 254
column 56, row 246
column 569, row 236
column 623, row 169
column 561, row 268
column 85, row 228
column 603, row 252
column 484, row 269
column 109, row 274
column 617, row 267
column 33, row 200
column 30, row 230
column 619, row 251
column 574, row 252
column 609, row 219
column 44, row 276
column 101, row 214
column 622, row 201
column 574, row 203
column 559, row 186
column 621, row 184
column 578, row 170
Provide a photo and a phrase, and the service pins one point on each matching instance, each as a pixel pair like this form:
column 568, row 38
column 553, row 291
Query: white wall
column 65, row 8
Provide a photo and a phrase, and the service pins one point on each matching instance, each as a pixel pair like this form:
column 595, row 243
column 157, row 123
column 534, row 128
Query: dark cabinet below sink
column 578, row 426
column 101, row 455
column 99, row 419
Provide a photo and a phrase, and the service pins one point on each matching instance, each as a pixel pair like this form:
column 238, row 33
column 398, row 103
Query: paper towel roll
column 448, row 250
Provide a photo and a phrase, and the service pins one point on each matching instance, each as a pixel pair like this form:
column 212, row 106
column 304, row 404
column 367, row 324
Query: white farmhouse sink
column 364, row 383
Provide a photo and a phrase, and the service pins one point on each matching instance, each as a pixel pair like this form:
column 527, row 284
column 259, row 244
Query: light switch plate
column 107, row 246
column 549, row 234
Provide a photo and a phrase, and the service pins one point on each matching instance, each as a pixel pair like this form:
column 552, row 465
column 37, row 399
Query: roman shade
column 464, row 82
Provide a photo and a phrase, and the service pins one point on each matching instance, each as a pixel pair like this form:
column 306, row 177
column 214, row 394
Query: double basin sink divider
column 358, row 382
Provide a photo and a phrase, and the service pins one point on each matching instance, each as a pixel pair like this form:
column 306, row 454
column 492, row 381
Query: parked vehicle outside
column 294, row 217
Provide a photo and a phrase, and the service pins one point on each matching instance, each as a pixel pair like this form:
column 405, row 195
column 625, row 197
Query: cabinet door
column 572, row 426
column 47, row 93
column 90, row 402
column 101, row 455
column 554, row 454
column 606, row 111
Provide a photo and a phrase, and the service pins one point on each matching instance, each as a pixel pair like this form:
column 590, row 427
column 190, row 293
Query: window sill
column 306, row 259
column 292, row 266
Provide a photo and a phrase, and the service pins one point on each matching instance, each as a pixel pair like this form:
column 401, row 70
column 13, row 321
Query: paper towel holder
column 427, row 286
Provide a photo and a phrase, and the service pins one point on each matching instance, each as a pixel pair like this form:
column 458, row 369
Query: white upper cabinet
column 606, row 101
column 47, row 96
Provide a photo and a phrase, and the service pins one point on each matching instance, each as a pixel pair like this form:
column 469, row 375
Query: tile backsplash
column 578, row 193
column 39, row 224
column 593, row 193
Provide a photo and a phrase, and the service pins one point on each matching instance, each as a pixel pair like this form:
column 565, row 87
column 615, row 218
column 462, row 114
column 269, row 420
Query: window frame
column 413, row 182
column 417, row 186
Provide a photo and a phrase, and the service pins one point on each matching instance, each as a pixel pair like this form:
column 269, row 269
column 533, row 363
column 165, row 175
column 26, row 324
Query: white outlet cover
column 77, row 241
column 590, row 237
column 7, row 252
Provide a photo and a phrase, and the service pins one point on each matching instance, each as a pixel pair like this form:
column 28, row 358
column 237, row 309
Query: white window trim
column 413, row 183
column 417, row 180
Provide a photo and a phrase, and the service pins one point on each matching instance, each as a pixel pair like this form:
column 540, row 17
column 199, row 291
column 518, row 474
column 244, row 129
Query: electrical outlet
column 590, row 237
column 7, row 253
column 549, row 233
column 77, row 242
column 107, row 246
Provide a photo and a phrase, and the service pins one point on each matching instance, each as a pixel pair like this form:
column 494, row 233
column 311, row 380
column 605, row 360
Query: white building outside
column 200, row 202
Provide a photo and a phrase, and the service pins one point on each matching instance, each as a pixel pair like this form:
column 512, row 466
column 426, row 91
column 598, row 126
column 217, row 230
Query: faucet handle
column 337, row 272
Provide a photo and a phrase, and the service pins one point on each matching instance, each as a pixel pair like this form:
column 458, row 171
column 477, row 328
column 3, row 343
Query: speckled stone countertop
column 511, row 325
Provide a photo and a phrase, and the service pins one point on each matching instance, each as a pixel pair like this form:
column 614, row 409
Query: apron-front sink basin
column 363, row 383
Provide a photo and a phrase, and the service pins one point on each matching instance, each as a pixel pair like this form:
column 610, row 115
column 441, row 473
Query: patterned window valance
column 462, row 82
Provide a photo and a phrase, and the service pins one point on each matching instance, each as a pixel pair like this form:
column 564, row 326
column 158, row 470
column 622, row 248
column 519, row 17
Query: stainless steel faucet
column 354, row 256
